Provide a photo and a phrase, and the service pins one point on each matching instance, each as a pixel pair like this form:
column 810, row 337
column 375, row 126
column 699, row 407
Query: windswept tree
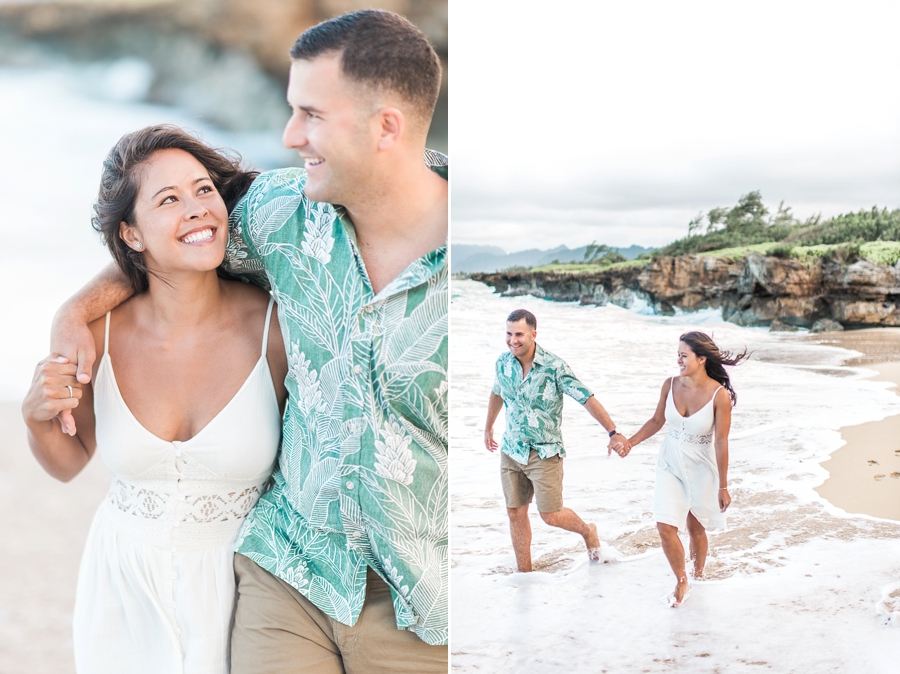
column 602, row 254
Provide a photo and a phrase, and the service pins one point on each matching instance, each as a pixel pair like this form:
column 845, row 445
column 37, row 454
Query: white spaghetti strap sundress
column 687, row 476
column 156, row 587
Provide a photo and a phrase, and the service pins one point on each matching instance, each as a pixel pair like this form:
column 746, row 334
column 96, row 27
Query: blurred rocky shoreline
column 223, row 60
column 755, row 290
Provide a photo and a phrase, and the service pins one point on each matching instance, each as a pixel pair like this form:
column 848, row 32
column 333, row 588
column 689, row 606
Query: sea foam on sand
column 793, row 585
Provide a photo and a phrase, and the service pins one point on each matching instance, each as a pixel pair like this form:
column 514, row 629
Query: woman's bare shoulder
column 246, row 295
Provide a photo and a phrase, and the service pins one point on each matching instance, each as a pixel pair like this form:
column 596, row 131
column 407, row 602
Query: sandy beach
column 864, row 474
column 43, row 534
column 795, row 584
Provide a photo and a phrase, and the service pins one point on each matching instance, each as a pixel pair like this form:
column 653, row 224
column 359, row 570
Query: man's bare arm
column 618, row 441
column 495, row 404
column 70, row 336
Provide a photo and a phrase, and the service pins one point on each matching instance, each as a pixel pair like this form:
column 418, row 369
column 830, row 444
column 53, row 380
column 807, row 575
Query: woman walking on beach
column 189, row 423
column 692, row 470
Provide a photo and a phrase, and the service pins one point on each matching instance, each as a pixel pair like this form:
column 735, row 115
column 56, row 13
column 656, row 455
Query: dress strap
column 106, row 335
column 266, row 331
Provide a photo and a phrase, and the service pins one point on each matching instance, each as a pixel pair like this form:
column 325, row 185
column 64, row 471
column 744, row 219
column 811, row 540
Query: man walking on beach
column 531, row 381
column 342, row 566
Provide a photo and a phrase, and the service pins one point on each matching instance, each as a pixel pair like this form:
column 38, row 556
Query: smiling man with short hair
column 530, row 381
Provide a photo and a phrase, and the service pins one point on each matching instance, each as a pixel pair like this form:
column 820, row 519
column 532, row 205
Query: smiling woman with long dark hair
column 189, row 423
column 692, row 469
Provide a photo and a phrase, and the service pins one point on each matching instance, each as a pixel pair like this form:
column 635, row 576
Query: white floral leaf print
column 549, row 392
column 431, row 589
column 430, row 442
column 320, row 488
column 403, row 511
column 317, row 238
column 271, row 216
column 393, row 311
column 331, row 323
column 323, row 593
column 309, row 397
column 420, row 335
column 393, row 457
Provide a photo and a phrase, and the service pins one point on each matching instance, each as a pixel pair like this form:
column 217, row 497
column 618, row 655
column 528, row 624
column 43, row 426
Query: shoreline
column 864, row 474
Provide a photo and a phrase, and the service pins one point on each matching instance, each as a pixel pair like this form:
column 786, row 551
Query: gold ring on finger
column 70, row 390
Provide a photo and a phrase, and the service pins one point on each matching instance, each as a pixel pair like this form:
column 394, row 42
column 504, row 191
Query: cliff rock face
column 755, row 290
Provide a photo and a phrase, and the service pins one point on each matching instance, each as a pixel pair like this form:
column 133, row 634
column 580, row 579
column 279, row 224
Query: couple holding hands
column 692, row 469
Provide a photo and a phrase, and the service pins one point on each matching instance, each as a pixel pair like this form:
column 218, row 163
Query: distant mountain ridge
column 465, row 258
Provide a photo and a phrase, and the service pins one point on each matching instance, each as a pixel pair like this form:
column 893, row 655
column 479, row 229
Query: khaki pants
column 539, row 478
column 279, row 631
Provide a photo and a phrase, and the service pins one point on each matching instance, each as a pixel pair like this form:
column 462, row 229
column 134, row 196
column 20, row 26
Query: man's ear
column 130, row 235
column 392, row 126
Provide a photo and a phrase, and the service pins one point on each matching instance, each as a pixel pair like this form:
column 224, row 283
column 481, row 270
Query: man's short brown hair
column 382, row 50
column 523, row 314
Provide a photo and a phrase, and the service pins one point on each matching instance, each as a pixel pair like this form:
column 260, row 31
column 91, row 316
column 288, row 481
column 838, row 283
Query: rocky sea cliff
column 821, row 293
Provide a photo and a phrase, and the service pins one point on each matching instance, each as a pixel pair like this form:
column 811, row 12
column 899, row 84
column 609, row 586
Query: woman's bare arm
column 722, row 410
column 70, row 336
column 657, row 421
column 60, row 454
column 277, row 358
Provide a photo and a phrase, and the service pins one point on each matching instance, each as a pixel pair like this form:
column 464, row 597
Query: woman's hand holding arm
column 55, row 389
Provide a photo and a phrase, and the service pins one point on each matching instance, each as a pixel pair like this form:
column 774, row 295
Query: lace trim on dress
column 202, row 508
column 690, row 437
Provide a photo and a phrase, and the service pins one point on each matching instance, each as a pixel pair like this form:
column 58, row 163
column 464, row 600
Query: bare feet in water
column 682, row 590
column 592, row 541
column 697, row 573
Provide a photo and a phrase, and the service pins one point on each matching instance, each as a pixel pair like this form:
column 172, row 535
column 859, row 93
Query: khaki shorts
column 279, row 631
column 541, row 478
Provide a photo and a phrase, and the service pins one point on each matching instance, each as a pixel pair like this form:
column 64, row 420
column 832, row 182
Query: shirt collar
column 419, row 271
column 539, row 356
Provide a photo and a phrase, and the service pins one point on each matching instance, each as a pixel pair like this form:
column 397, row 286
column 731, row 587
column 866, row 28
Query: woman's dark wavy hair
column 703, row 346
column 120, row 183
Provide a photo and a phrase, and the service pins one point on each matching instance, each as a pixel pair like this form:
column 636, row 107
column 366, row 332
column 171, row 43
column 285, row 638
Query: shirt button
column 173, row 576
column 174, row 604
column 177, row 452
column 177, row 523
column 174, row 549
column 357, row 369
column 369, row 308
column 350, row 484
column 181, row 497
column 356, row 534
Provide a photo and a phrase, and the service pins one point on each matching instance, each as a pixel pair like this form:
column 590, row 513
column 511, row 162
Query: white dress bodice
column 687, row 474
column 156, row 585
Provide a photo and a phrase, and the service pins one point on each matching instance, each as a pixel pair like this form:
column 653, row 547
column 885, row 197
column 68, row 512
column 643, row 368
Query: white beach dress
column 156, row 588
column 687, row 476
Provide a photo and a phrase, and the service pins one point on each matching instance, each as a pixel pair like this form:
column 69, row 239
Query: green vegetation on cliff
column 750, row 223
column 750, row 227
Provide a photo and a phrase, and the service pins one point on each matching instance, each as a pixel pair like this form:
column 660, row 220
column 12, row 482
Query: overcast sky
column 582, row 120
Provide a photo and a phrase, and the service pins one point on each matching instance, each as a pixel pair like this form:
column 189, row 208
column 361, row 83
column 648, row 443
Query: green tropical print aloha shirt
column 534, row 404
column 362, row 474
